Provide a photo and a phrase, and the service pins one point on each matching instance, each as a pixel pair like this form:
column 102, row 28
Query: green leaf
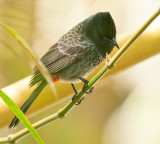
column 19, row 114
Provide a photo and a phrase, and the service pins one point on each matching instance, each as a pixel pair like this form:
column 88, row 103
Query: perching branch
column 64, row 111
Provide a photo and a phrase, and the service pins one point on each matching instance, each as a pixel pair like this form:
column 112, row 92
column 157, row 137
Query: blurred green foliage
column 14, row 63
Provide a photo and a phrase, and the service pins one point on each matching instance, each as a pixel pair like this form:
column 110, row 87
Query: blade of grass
column 20, row 116
column 32, row 55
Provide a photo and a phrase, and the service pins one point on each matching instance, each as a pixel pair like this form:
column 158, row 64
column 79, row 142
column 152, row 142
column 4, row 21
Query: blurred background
column 123, row 109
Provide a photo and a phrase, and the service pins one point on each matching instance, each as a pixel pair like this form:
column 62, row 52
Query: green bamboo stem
column 62, row 113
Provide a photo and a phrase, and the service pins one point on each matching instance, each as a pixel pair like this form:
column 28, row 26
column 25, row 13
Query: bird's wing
column 68, row 50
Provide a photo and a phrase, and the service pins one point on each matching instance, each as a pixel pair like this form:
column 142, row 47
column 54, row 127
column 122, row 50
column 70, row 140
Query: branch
column 70, row 105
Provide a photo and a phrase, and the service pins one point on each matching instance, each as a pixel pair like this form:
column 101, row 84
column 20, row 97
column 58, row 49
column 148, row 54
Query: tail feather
column 28, row 103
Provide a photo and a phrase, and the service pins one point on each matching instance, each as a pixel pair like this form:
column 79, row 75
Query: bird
column 76, row 55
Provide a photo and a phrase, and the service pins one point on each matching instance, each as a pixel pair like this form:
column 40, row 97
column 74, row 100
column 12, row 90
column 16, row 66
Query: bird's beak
column 115, row 42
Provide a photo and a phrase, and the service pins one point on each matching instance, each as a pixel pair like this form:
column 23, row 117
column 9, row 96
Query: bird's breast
column 81, row 68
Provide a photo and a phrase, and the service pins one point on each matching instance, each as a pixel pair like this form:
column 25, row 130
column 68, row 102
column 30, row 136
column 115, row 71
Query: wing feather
column 70, row 48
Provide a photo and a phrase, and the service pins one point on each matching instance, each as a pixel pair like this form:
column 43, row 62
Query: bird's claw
column 74, row 100
column 83, row 89
column 84, row 86
column 89, row 91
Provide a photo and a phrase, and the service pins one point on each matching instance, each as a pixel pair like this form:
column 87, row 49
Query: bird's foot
column 74, row 100
column 89, row 91
column 84, row 86
column 83, row 89
column 74, row 97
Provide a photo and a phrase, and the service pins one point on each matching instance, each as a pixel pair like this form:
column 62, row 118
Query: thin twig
column 70, row 105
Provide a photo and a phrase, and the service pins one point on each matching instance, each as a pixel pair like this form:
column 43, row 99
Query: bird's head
column 101, row 29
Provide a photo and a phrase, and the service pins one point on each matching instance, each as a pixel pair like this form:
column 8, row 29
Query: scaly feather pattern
column 70, row 48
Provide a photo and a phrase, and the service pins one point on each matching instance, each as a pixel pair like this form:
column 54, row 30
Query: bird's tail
column 28, row 103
